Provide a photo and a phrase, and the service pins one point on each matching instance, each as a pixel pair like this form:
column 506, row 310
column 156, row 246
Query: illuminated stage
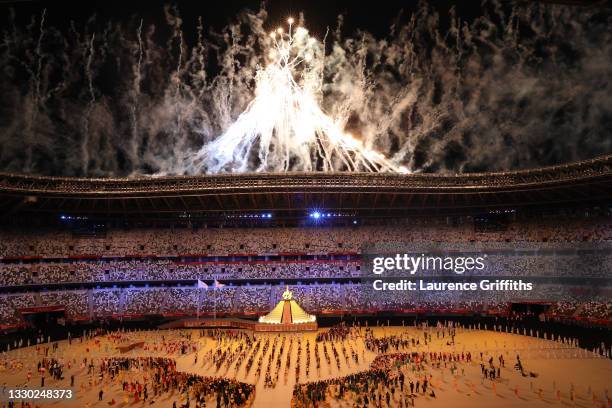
column 287, row 315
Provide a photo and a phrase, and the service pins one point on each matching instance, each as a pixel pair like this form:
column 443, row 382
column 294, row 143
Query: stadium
column 287, row 261
column 137, row 251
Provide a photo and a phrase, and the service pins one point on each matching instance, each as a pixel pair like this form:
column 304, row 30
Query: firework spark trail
column 285, row 123
column 39, row 53
column 92, row 100
column 35, row 104
column 133, row 146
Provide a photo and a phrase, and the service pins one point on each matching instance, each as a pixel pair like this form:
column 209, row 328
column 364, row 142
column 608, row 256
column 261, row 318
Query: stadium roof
column 293, row 194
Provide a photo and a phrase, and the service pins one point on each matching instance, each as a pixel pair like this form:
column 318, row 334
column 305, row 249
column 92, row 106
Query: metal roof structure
column 292, row 194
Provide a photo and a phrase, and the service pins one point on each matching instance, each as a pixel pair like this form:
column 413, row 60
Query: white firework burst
column 284, row 127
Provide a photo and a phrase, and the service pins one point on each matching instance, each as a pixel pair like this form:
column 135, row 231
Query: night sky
column 507, row 85
column 374, row 17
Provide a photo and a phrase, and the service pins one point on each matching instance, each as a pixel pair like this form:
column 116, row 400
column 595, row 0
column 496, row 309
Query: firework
column 284, row 127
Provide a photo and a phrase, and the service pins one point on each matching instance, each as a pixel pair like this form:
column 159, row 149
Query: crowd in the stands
column 224, row 241
column 543, row 248
column 14, row 274
column 507, row 263
column 564, row 300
